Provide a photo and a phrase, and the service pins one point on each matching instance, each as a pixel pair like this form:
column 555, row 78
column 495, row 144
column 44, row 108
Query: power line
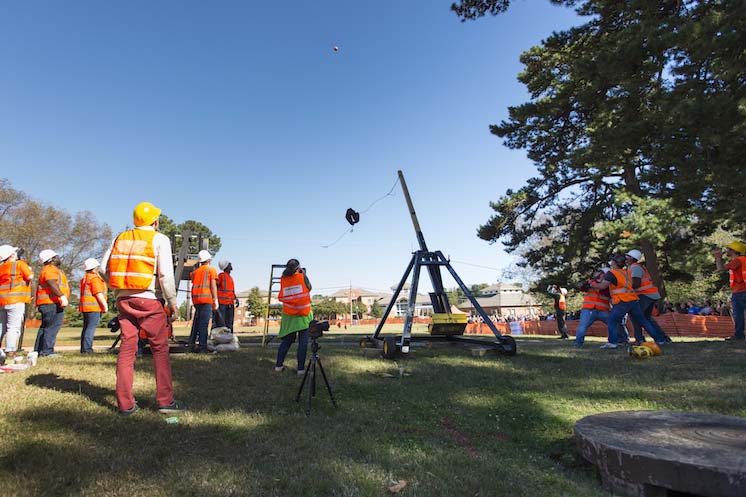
column 477, row 265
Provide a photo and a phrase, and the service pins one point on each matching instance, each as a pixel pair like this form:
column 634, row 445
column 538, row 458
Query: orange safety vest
column 132, row 260
column 736, row 278
column 562, row 303
column 295, row 295
column 14, row 288
column 622, row 291
column 201, row 278
column 646, row 283
column 88, row 301
column 594, row 299
column 44, row 293
column 226, row 289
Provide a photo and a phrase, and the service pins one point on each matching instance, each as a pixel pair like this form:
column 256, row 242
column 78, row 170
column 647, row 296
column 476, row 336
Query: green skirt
column 291, row 324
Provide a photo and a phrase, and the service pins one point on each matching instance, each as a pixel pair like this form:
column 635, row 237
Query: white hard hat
column 46, row 255
column 203, row 256
column 223, row 264
column 90, row 263
column 563, row 291
column 635, row 254
column 6, row 251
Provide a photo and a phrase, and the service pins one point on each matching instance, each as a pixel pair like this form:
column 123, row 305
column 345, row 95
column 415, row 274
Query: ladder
column 275, row 274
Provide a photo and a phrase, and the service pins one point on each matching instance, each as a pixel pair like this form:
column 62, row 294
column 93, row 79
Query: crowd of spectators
column 706, row 308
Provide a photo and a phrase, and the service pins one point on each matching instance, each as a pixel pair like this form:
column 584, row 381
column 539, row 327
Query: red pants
column 148, row 315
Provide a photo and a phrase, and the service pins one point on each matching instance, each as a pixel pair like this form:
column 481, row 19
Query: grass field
column 446, row 422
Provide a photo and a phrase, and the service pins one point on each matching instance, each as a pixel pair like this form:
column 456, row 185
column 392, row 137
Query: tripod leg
column 297, row 397
column 328, row 387
column 116, row 342
column 311, row 384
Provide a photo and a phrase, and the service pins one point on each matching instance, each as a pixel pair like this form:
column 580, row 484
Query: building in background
column 423, row 306
column 505, row 300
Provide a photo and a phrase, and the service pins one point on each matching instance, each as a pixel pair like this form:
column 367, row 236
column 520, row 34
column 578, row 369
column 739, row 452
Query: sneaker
column 564, row 337
column 578, row 345
column 279, row 369
column 130, row 411
column 174, row 407
column 608, row 345
column 301, row 372
column 53, row 355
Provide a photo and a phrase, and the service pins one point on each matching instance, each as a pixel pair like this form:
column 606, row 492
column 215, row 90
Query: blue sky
column 240, row 115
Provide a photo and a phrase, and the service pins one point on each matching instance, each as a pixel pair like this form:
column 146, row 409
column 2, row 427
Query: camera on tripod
column 316, row 329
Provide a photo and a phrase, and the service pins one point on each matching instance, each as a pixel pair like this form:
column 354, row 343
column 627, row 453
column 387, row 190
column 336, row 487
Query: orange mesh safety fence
column 675, row 325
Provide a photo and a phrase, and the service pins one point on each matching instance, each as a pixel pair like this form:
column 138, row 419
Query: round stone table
column 666, row 453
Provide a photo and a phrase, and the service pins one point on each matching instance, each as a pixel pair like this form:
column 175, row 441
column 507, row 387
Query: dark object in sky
column 352, row 216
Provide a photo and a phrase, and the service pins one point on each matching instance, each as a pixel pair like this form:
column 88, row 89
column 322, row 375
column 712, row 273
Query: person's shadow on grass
column 81, row 387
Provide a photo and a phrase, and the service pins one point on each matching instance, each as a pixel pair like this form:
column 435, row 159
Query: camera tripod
column 311, row 368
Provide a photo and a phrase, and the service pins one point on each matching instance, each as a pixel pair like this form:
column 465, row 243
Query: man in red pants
column 140, row 269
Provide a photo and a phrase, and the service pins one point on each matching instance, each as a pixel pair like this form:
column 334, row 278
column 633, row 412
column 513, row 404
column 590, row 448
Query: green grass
column 449, row 423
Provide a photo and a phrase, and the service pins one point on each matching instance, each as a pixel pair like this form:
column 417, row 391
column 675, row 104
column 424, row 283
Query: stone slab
column 652, row 453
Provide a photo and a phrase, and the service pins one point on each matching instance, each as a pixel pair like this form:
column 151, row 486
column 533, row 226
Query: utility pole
column 350, row 304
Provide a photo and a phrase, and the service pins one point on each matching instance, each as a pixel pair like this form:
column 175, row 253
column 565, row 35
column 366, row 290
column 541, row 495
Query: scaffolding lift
column 446, row 326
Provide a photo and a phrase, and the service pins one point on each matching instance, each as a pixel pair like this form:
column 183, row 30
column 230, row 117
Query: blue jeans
column 587, row 318
column 202, row 315
column 738, row 304
column 90, row 321
column 646, row 305
column 52, row 316
column 633, row 309
column 287, row 341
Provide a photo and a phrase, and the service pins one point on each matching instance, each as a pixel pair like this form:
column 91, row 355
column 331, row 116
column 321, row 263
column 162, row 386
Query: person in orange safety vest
column 560, row 308
column 92, row 303
column 226, row 295
column 646, row 291
column 736, row 268
column 15, row 292
column 295, row 295
column 52, row 294
column 595, row 306
column 204, row 298
column 139, row 267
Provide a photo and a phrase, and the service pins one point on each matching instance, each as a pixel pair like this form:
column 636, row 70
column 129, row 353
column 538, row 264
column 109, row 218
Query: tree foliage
column 328, row 308
column 35, row 226
column 376, row 311
column 636, row 123
column 256, row 303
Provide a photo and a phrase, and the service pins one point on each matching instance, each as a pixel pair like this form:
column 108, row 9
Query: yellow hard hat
column 737, row 246
column 145, row 214
column 640, row 352
column 654, row 348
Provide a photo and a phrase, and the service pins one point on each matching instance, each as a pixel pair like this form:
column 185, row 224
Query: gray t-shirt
column 636, row 271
